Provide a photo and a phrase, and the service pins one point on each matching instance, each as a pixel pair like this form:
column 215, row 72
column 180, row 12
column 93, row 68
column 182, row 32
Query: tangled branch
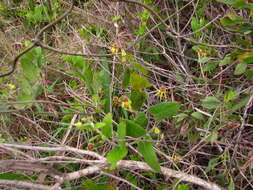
column 96, row 166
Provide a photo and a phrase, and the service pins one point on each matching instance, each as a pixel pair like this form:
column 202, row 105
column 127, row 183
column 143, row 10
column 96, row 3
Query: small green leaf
column 240, row 104
column 138, row 82
column 228, row 2
column 139, row 67
column 229, row 96
column 231, row 185
column 212, row 164
column 180, row 117
column 225, row 61
column 134, row 130
column 126, row 78
column 240, row 68
column 122, row 130
column 248, row 59
column 116, row 18
column 116, row 154
column 163, row 110
column 210, row 102
column 203, row 60
column 141, row 119
column 182, row 187
column 149, row 154
column 197, row 115
column 213, row 137
column 137, row 98
column 107, row 129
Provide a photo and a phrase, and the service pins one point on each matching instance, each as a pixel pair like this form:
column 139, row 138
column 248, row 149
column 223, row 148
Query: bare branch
column 137, row 165
column 55, row 149
column 35, row 41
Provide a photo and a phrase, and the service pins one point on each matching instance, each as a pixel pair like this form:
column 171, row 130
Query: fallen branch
column 123, row 164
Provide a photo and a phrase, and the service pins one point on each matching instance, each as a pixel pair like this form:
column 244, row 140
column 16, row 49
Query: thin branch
column 36, row 40
column 127, row 164
column 137, row 165
column 55, row 149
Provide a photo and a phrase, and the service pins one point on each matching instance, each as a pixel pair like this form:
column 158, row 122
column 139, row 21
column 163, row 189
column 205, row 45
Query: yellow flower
column 176, row 158
column 157, row 131
column 78, row 124
column 115, row 49
column 162, row 93
column 162, row 136
column 11, row 86
column 123, row 55
column 202, row 52
column 126, row 103
column 116, row 100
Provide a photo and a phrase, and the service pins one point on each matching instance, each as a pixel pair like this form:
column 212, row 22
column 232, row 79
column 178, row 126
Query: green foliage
column 210, row 102
column 134, row 130
column 89, row 184
column 138, row 98
column 163, row 110
column 138, row 82
column 182, row 187
column 141, row 119
column 116, row 154
column 107, row 129
column 149, row 155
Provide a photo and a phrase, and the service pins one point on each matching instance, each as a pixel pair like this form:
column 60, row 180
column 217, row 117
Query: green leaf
column 14, row 176
column 240, row 104
column 138, row 82
column 240, row 68
column 231, row 185
column 225, row 61
column 107, row 129
column 89, row 184
column 142, row 28
column 197, row 115
column 134, row 130
column 203, row 60
column 149, row 154
column 213, row 137
column 30, row 70
column 24, row 97
column 180, row 117
column 141, row 119
column 126, row 78
column 122, row 130
column 210, row 102
column 182, row 187
column 137, row 98
column 116, row 154
column 139, row 67
column 229, row 96
column 228, row 2
column 163, row 110
column 212, row 164
column 105, row 79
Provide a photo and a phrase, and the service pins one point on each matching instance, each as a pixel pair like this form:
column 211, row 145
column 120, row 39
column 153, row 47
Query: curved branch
column 137, row 165
column 36, row 40
column 123, row 164
column 55, row 149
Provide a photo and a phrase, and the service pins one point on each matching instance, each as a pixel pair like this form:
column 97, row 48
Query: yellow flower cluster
column 202, row 52
column 162, row 93
column 124, row 102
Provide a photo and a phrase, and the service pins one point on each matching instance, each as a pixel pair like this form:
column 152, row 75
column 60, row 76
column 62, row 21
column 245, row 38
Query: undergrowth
column 168, row 83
